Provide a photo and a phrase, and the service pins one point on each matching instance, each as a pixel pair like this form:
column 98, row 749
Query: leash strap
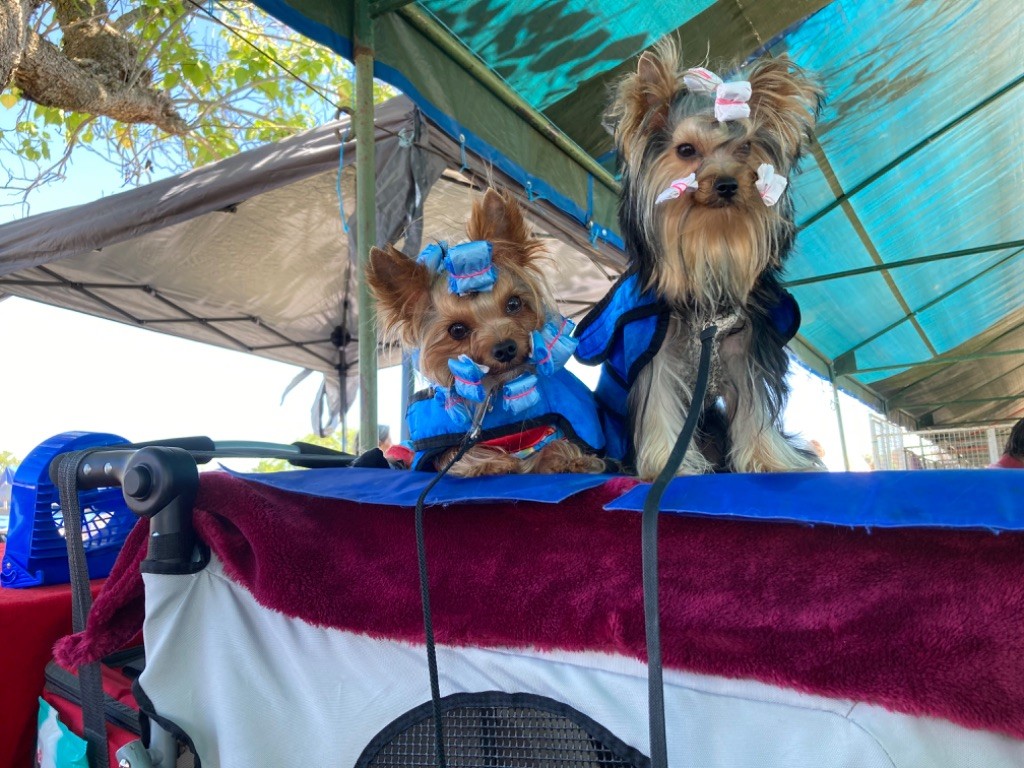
column 94, row 722
column 649, row 553
column 421, row 557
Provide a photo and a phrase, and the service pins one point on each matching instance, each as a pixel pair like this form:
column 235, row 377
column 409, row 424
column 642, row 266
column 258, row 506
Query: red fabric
column 399, row 452
column 1006, row 461
column 30, row 621
column 115, row 685
column 927, row 622
column 115, row 620
column 520, row 440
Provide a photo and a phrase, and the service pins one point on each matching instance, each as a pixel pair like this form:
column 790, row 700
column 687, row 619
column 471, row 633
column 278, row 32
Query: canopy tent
column 908, row 265
column 251, row 253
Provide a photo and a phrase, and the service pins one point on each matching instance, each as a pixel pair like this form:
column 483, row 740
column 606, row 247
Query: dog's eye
column 513, row 305
column 744, row 149
column 686, row 151
column 458, row 331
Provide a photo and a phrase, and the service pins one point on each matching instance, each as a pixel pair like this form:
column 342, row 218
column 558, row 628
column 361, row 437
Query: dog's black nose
column 726, row 186
column 505, row 351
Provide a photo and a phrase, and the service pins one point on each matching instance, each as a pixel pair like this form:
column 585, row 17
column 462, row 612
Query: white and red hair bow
column 770, row 185
column 676, row 188
column 730, row 98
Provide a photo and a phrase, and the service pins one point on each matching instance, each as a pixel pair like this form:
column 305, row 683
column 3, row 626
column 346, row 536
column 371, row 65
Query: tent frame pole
column 366, row 222
column 839, row 415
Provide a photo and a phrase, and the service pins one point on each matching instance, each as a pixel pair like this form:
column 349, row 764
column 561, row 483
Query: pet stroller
column 283, row 623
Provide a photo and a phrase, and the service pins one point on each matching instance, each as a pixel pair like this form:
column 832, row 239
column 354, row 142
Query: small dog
column 707, row 225
column 490, row 339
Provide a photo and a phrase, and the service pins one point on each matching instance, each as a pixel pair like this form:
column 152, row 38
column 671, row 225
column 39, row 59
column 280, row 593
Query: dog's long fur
column 712, row 257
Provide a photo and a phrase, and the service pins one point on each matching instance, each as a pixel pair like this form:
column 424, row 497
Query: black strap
column 472, row 436
column 94, row 723
column 649, row 553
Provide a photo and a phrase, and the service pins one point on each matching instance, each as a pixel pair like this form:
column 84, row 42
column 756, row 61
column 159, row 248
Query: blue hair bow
column 520, row 394
column 454, row 406
column 553, row 345
column 468, row 378
column 470, row 267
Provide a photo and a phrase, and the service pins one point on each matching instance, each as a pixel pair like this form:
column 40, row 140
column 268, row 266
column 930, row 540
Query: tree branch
column 48, row 77
column 13, row 18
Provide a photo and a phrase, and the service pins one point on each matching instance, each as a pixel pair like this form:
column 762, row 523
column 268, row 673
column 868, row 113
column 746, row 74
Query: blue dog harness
column 623, row 332
column 540, row 407
column 560, row 401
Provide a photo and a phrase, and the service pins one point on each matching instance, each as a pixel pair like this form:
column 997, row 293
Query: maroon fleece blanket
column 926, row 622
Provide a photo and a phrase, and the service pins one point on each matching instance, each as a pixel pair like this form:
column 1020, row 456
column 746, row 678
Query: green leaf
column 192, row 72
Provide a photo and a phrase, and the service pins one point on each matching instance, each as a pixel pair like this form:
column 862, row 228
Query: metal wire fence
column 894, row 447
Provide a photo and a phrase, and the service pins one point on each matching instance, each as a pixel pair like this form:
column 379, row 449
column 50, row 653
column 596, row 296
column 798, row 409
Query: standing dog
column 707, row 224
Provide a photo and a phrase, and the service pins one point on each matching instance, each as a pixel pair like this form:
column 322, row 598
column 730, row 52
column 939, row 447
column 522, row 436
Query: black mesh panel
column 500, row 730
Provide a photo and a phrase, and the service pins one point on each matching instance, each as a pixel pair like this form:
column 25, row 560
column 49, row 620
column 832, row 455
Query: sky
column 62, row 371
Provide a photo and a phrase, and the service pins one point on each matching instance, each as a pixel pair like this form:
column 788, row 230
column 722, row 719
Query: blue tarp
column 990, row 499
column 913, row 181
column 391, row 487
column 984, row 499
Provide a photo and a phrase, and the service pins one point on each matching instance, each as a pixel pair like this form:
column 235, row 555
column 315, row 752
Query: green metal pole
column 839, row 416
column 366, row 223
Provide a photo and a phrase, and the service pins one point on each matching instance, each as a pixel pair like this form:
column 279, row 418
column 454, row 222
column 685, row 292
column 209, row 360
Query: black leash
column 649, row 551
column 421, row 556
column 90, row 680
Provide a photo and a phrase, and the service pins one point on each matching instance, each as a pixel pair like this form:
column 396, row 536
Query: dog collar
column 526, row 443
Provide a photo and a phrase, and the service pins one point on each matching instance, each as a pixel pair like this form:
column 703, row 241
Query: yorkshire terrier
column 482, row 321
column 707, row 224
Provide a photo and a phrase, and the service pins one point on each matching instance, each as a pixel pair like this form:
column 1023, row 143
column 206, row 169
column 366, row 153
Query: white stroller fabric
column 253, row 687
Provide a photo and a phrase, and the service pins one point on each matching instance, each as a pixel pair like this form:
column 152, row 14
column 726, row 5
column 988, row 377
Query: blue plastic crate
column 36, row 551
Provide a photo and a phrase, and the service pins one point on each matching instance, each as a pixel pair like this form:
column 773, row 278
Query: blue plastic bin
column 36, row 551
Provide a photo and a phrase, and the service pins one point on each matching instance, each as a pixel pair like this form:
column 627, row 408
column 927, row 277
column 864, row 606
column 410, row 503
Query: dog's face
column 709, row 245
column 492, row 327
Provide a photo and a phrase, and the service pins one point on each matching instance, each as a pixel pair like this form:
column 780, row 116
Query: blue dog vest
column 563, row 403
column 623, row 332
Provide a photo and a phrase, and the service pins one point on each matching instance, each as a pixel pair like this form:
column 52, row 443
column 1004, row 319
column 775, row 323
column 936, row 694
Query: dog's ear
column 644, row 98
column 402, row 288
column 785, row 102
column 498, row 217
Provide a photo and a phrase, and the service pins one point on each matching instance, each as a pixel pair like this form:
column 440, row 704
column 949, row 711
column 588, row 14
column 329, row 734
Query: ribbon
column 676, row 188
column 469, row 265
column 730, row 98
column 553, row 345
column 454, row 406
column 769, row 184
column 520, row 393
column 469, row 378
column 469, row 268
column 432, row 256
column 516, row 396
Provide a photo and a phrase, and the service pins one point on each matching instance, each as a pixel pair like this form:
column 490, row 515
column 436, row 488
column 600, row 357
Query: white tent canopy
column 251, row 253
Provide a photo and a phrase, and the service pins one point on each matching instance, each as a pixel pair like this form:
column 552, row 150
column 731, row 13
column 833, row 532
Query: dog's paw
column 482, row 460
column 562, row 456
